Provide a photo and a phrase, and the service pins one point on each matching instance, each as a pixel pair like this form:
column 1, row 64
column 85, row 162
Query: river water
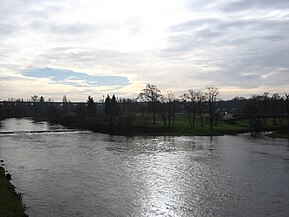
column 80, row 173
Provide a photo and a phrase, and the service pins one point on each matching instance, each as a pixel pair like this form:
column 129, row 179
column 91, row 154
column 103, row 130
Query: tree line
column 151, row 107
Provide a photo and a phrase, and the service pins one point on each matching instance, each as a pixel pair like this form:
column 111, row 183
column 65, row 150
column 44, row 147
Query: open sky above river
column 95, row 47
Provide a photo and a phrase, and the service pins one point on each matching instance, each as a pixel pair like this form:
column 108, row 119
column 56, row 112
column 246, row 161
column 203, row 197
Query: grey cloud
column 13, row 9
column 32, row 15
column 255, row 79
column 193, row 34
column 276, row 78
column 12, row 78
column 202, row 5
column 235, row 46
column 247, row 70
column 193, row 24
column 257, row 66
column 210, row 33
column 240, row 5
column 60, row 29
column 273, row 58
column 253, row 25
column 38, row 15
column 19, row 16
column 231, row 78
column 229, row 24
column 6, row 29
column 180, row 43
column 78, row 57
column 205, row 31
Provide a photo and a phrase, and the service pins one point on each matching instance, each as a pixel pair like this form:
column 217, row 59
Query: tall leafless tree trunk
column 265, row 104
column 211, row 94
column 287, row 106
column 191, row 97
column 200, row 99
column 275, row 98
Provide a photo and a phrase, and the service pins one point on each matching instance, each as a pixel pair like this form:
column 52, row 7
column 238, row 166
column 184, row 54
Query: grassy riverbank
column 144, row 127
column 182, row 128
column 281, row 133
column 10, row 201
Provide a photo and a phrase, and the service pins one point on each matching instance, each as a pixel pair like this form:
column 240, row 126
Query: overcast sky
column 99, row 47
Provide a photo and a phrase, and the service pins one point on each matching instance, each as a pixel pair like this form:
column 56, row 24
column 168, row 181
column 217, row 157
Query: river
column 80, row 173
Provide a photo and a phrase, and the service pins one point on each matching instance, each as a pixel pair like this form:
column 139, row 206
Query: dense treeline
column 152, row 108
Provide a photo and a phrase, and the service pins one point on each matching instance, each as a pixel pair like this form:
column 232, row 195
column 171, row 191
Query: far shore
column 282, row 133
column 180, row 128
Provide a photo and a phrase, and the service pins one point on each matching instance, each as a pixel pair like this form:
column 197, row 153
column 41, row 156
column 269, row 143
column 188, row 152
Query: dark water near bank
column 88, row 174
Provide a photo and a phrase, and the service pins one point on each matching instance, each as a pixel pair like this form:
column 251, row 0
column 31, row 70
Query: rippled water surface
column 89, row 174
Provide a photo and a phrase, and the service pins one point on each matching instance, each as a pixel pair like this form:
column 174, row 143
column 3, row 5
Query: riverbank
column 10, row 201
column 281, row 133
column 181, row 127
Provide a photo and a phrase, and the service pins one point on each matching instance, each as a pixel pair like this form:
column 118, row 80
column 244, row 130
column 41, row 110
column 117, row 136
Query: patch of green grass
column 10, row 201
column 182, row 127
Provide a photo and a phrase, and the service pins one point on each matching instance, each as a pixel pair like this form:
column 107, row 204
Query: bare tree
column 65, row 105
column 200, row 97
column 111, row 110
column 211, row 94
column 186, row 104
column 275, row 98
column 64, row 98
column 152, row 95
column 287, row 105
column 90, row 107
column 128, row 113
column 167, row 108
column 265, row 100
column 41, row 99
column 163, row 110
column 253, row 108
column 35, row 98
column 171, row 98
column 191, row 106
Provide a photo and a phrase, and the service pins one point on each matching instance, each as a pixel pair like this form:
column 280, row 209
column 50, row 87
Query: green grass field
column 182, row 127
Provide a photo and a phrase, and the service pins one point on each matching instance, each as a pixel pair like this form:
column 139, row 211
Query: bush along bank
column 10, row 201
